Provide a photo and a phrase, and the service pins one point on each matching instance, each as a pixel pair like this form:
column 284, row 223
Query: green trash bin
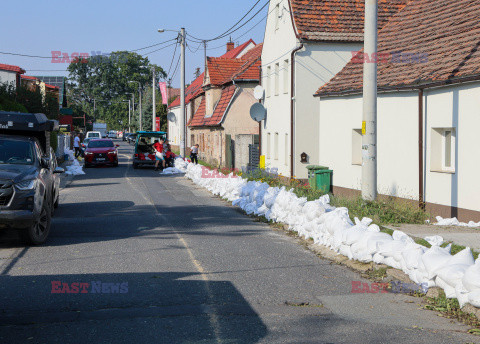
column 323, row 180
column 312, row 179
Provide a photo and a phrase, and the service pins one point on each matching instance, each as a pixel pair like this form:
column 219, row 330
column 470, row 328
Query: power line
column 173, row 59
column 165, row 47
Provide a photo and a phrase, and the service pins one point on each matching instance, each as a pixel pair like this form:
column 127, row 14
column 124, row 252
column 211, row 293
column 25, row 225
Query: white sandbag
column 435, row 258
column 452, row 274
column 375, row 239
column 449, row 290
column 401, row 236
column 464, row 257
column 434, row 240
column 412, row 255
column 471, row 278
column 345, row 251
column 461, row 294
column 474, row 298
column 354, row 234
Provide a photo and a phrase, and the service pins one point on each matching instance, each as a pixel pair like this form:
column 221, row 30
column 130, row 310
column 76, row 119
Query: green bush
column 54, row 140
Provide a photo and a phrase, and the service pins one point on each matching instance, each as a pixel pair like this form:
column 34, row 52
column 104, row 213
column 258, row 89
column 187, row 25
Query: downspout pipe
column 421, row 201
column 292, row 109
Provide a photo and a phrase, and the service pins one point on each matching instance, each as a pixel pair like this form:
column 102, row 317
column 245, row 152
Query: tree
column 104, row 81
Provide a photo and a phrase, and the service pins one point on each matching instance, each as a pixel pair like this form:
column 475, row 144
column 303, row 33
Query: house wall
column 237, row 119
column 315, row 65
column 446, row 193
column 8, row 77
column 211, row 143
column 277, row 48
column 174, row 128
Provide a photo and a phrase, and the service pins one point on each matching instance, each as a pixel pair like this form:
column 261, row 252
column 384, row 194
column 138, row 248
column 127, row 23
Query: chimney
column 230, row 46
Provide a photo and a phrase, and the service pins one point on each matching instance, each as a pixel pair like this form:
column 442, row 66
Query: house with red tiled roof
column 428, row 110
column 223, row 114
column 33, row 83
column 306, row 44
column 10, row 74
column 192, row 96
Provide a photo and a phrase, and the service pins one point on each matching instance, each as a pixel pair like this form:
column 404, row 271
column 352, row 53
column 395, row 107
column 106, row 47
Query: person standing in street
column 194, row 154
column 76, row 146
column 159, row 153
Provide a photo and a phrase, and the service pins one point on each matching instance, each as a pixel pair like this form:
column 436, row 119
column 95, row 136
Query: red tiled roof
column 238, row 50
column 51, row 86
column 219, row 112
column 12, row 68
column 439, row 37
column 338, row 20
column 28, row 77
column 199, row 115
column 191, row 92
column 222, row 70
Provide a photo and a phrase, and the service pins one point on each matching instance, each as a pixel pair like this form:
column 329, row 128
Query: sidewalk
column 459, row 235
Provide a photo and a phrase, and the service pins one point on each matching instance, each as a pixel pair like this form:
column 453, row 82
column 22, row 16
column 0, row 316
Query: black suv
column 29, row 177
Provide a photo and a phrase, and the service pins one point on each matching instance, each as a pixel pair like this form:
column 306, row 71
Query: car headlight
column 88, row 153
column 112, row 152
column 27, row 184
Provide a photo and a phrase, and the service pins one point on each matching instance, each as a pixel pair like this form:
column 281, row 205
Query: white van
column 93, row 135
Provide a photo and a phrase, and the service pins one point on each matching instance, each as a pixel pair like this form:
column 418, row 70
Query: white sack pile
column 454, row 222
column 171, row 170
column 361, row 240
column 74, row 169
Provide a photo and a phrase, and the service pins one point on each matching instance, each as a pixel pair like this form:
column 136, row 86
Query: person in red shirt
column 169, row 157
column 159, row 156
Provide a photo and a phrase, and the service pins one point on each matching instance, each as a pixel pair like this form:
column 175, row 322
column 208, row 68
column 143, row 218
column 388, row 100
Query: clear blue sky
column 38, row 27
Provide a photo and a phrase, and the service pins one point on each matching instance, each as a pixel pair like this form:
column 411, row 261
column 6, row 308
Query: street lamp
column 182, row 118
column 140, row 104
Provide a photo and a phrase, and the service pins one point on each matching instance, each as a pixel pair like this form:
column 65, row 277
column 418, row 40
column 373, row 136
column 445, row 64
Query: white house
column 319, row 36
column 428, row 111
column 10, row 74
column 193, row 91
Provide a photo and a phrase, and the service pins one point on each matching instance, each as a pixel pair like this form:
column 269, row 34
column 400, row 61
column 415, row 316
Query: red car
column 101, row 152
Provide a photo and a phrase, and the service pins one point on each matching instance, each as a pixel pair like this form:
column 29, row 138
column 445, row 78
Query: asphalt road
column 192, row 270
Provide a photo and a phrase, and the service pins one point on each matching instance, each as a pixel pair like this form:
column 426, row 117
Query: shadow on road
column 160, row 307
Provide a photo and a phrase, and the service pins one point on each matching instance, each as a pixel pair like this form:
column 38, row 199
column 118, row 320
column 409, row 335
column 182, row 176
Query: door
column 228, row 151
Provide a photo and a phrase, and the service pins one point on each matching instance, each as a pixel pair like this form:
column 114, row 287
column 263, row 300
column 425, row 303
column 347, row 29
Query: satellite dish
column 258, row 92
column 171, row 117
column 258, row 112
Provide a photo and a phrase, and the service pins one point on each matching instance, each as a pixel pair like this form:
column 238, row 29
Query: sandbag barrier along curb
column 458, row 275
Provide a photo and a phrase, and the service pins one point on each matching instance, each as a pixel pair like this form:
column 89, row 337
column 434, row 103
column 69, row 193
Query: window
column 285, row 77
column 277, row 76
column 286, row 149
column 357, row 147
column 267, row 85
column 268, row 145
column 277, row 16
column 443, row 143
column 275, row 146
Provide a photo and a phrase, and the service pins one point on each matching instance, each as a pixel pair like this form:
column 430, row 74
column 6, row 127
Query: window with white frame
column 275, row 146
column 277, row 16
column 267, row 84
column 443, row 144
column 268, row 145
column 285, row 77
column 357, row 147
column 277, row 77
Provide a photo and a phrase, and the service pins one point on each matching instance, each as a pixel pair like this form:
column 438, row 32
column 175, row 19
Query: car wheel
column 115, row 164
column 135, row 165
column 38, row 233
column 86, row 165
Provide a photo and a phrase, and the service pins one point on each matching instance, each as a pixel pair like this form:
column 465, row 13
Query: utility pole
column 369, row 125
column 154, row 114
column 133, row 111
column 129, row 116
column 140, row 106
column 182, row 95
column 205, row 54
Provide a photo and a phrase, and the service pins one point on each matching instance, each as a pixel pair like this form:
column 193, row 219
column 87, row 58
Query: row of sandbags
column 458, row 275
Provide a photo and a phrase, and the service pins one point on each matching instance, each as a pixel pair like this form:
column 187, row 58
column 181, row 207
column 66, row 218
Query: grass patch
column 376, row 275
column 450, row 308
column 388, row 211
column 457, row 248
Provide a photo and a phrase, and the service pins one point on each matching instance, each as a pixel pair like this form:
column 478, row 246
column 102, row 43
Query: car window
column 16, row 152
column 100, row 144
column 94, row 135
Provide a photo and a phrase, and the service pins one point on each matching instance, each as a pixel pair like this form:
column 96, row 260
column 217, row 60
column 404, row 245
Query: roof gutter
column 421, row 201
column 448, row 82
column 292, row 109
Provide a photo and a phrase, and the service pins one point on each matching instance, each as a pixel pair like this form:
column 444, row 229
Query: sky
column 33, row 27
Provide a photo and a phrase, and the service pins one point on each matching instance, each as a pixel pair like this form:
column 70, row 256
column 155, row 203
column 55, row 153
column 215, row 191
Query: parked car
column 29, row 182
column 144, row 153
column 93, row 135
column 101, row 152
column 131, row 138
column 112, row 134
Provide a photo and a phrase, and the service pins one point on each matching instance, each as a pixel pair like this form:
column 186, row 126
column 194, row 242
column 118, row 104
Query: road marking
column 214, row 321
